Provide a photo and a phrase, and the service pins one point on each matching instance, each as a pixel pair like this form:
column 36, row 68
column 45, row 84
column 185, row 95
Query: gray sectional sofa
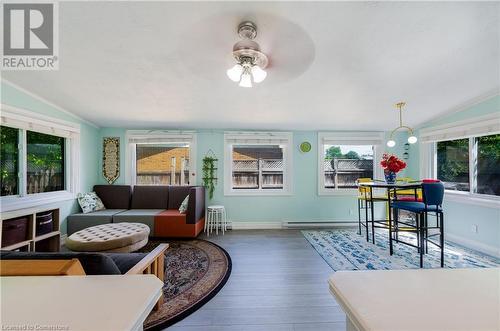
column 155, row 206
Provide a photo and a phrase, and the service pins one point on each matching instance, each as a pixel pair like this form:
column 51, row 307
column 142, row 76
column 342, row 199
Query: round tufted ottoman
column 113, row 237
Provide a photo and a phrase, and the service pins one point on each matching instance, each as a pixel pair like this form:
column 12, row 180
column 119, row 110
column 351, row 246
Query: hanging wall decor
column 111, row 159
column 210, row 172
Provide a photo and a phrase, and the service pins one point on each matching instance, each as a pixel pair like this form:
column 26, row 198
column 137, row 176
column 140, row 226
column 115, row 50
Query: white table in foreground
column 73, row 303
column 421, row 299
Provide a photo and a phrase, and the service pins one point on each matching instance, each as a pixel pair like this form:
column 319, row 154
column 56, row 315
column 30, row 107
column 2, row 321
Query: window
column 470, row 164
column 344, row 164
column 39, row 159
column 343, row 157
column 257, row 163
column 161, row 157
column 488, row 164
column 9, row 160
column 453, row 164
column 257, row 167
column 162, row 164
column 45, row 163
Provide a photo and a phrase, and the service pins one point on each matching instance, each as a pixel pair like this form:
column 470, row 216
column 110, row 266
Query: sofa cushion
column 125, row 261
column 176, row 194
column 92, row 263
column 114, row 196
column 144, row 216
column 77, row 222
column 150, row 197
column 171, row 223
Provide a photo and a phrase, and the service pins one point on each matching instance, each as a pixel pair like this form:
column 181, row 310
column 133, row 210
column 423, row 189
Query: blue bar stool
column 433, row 194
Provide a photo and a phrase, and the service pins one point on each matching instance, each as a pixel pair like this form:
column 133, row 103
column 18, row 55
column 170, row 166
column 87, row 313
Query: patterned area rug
column 195, row 270
column 346, row 250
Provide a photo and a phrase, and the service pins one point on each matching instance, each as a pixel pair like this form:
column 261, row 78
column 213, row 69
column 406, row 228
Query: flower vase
column 390, row 177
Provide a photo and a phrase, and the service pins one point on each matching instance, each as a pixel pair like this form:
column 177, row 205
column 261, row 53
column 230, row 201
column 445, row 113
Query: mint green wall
column 459, row 216
column 303, row 205
column 89, row 139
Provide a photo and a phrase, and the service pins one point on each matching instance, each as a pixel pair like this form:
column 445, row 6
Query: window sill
column 472, row 199
column 249, row 193
column 12, row 203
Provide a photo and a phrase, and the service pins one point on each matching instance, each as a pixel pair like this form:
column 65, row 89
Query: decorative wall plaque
column 111, row 159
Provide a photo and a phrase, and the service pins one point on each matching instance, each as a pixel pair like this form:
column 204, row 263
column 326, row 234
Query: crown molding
column 50, row 103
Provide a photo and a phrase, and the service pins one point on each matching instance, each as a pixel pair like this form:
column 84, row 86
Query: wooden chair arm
column 144, row 266
column 71, row 267
column 153, row 263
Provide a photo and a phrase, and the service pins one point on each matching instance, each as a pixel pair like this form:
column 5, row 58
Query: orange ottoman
column 172, row 223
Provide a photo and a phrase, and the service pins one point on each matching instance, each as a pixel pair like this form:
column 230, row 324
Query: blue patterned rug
column 346, row 250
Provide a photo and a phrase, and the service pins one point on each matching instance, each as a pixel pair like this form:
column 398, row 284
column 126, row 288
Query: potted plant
column 392, row 165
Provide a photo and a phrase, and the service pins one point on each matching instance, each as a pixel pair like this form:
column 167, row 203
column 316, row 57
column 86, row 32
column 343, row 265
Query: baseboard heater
column 318, row 224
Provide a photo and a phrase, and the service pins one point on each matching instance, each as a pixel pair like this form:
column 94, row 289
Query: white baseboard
column 249, row 225
column 240, row 225
column 473, row 244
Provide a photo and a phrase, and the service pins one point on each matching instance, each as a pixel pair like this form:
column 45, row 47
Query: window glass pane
column 9, row 160
column 257, row 167
column 488, row 165
column 162, row 164
column 344, row 164
column 45, row 163
column 453, row 164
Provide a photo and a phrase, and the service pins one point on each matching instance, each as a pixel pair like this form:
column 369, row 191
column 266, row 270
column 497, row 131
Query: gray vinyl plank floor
column 278, row 283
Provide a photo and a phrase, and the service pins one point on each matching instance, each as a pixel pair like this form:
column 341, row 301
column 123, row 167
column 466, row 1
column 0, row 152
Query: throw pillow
column 184, row 205
column 90, row 202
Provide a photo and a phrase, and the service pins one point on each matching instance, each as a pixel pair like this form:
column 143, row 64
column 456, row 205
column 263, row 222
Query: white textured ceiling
column 334, row 65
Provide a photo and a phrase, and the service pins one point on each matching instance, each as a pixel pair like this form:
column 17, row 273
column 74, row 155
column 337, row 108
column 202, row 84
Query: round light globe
column 412, row 139
column 391, row 143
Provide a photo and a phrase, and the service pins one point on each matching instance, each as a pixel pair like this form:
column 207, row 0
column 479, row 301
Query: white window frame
column 134, row 137
column 284, row 139
column 471, row 128
column 376, row 139
column 25, row 120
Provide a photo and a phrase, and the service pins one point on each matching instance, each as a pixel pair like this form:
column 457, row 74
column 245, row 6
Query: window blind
column 480, row 126
column 155, row 137
column 258, row 138
column 26, row 120
column 351, row 138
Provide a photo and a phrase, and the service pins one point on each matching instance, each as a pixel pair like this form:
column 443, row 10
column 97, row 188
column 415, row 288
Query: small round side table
column 216, row 217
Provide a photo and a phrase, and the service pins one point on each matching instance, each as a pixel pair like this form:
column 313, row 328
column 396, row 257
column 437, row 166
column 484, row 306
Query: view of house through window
column 9, row 163
column 162, row 164
column 257, row 167
column 344, row 164
column 45, row 163
column 453, row 164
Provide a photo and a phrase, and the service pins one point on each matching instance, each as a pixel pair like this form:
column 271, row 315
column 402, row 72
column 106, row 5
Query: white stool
column 216, row 217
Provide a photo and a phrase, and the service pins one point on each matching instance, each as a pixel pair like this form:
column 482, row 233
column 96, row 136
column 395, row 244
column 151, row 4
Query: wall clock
column 305, row 147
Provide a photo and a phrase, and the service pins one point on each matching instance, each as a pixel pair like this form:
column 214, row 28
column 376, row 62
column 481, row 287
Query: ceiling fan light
column 246, row 80
column 258, row 74
column 412, row 139
column 391, row 143
column 235, row 72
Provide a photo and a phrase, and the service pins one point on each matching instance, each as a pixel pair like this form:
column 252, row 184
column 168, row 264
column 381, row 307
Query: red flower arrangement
column 392, row 163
